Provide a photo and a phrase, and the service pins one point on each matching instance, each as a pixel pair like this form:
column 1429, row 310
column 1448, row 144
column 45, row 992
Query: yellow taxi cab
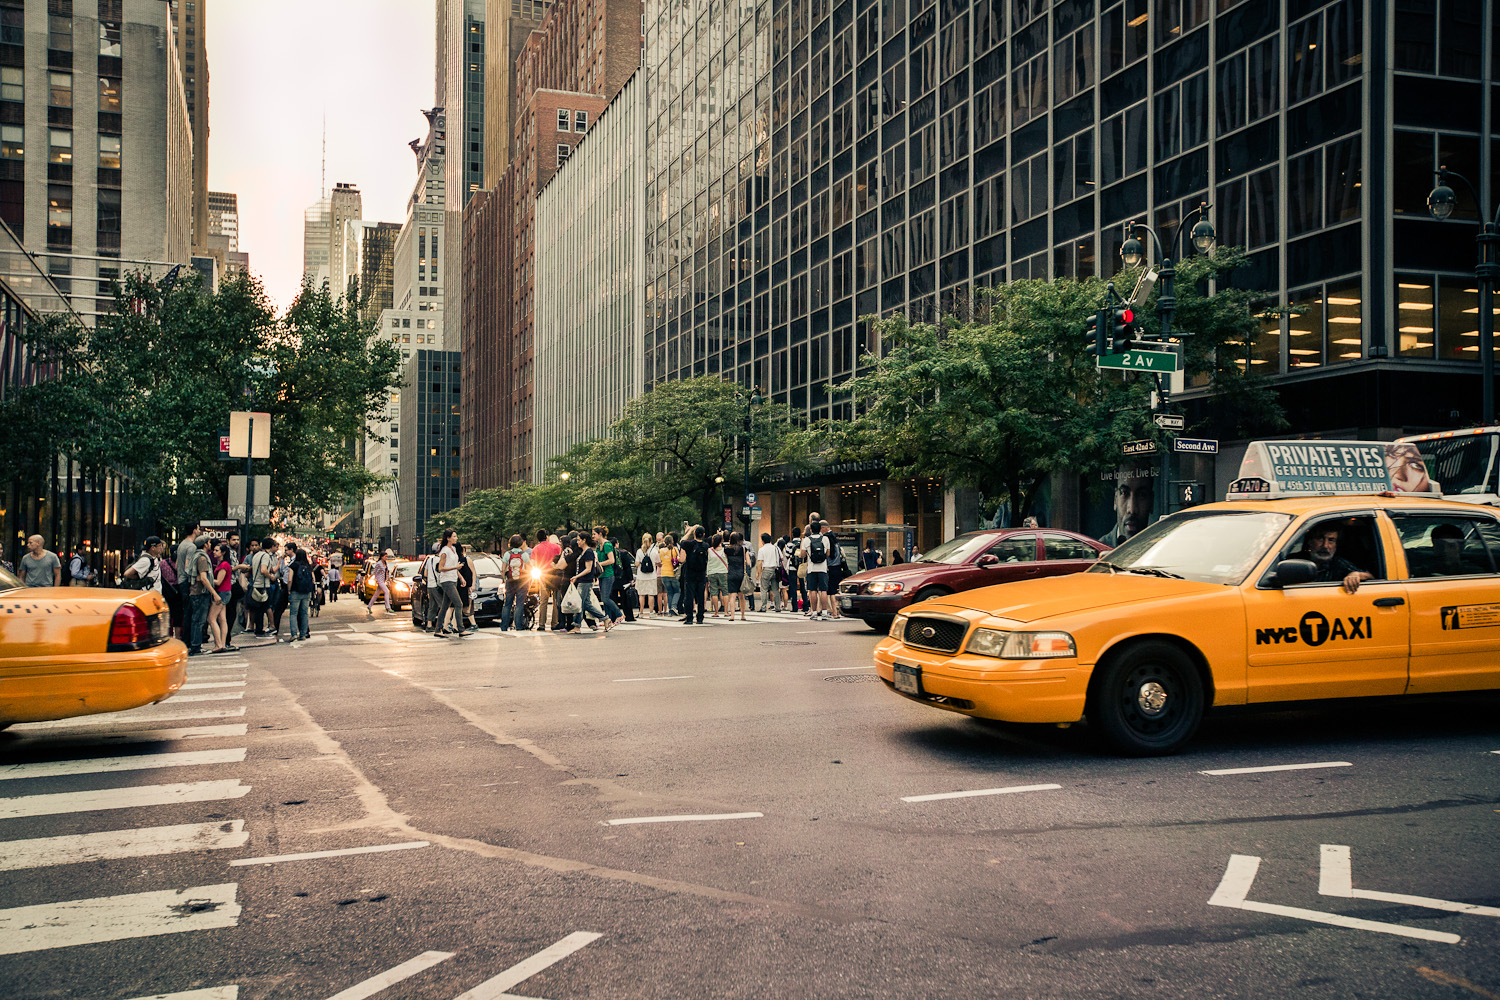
column 1316, row 578
column 67, row 651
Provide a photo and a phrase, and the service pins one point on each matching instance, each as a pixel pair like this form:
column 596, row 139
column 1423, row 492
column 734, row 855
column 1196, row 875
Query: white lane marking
column 390, row 977
column 178, row 699
column 494, row 989
column 168, row 735
column 1335, row 878
column 219, row 665
column 1279, row 767
column 1240, row 875
column 134, row 797
column 981, row 791
column 213, row 684
column 700, row 818
column 96, row 721
column 212, row 993
column 629, row 680
column 43, row 852
column 364, row 637
column 115, row 918
column 820, row 670
column 109, row 765
column 376, row 849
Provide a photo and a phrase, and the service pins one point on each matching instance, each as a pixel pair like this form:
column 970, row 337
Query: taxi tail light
column 130, row 629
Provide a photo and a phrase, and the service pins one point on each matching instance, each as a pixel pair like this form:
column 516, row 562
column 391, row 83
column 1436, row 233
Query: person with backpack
column 303, row 582
column 646, row 559
column 838, row 568
column 624, row 586
column 80, row 573
column 515, row 563
column 815, row 557
column 145, row 572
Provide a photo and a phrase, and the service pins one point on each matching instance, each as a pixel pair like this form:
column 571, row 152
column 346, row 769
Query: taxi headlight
column 898, row 627
column 398, row 585
column 886, row 588
column 1021, row 645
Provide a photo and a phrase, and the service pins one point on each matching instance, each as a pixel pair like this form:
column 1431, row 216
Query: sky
column 276, row 68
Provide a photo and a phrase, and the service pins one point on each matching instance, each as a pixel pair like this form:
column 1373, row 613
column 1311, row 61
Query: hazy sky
column 277, row 66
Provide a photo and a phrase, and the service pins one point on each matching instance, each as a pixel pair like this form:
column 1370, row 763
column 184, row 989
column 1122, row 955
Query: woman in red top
column 218, row 619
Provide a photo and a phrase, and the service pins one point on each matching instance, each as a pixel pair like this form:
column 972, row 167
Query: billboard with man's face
column 1126, row 506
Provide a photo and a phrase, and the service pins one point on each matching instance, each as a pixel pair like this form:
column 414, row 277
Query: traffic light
column 1121, row 329
column 1094, row 333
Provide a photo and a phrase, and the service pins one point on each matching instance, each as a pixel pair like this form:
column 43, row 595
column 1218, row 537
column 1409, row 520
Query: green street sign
column 1141, row 361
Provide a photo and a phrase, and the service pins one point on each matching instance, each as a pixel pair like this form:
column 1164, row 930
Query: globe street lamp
column 1133, row 254
column 1441, row 202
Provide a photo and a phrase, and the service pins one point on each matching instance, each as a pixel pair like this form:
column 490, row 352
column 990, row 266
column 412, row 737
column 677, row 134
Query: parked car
column 974, row 559
column 69, row 651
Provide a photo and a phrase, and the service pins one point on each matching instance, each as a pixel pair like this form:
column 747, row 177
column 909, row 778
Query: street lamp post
column 1132, row 253
column 1441, row 203
column 751, row 401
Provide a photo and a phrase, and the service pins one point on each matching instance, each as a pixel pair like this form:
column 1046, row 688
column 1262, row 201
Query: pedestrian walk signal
column 1121, row 329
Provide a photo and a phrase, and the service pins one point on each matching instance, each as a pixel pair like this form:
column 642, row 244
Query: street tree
column 148, row 389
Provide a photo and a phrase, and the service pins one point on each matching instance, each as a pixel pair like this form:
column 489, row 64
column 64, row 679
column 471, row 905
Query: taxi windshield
column 955, row 550
column 9, row 581
column 1211, row 546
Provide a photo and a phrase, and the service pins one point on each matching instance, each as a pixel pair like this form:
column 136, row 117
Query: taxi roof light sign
column 1275, row 469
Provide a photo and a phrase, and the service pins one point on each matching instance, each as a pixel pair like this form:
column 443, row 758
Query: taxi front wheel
column 1148, row 701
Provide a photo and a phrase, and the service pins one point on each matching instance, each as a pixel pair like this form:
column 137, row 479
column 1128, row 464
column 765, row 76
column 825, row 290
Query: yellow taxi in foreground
column 1229, row 603
column 67, row 651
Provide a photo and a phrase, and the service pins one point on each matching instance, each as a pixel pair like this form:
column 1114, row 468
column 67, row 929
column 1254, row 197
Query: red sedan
column 971, row 560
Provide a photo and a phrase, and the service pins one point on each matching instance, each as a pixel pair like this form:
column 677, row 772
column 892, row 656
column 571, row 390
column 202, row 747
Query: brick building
column 574, row 63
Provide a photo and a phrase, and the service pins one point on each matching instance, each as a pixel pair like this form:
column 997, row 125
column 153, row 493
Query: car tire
column 1148, row 700
column 880, row 623
column 927, row 593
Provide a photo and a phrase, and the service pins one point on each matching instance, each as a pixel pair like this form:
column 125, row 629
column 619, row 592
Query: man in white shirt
column 147, row 567
column 768, row 562
column 815, row 552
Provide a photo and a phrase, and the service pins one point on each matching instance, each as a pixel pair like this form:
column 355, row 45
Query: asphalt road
column 724, row 811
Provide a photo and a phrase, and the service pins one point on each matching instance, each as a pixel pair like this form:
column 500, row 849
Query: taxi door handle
column 1389, row 602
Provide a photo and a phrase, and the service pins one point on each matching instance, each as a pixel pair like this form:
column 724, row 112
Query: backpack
column 835, row 555
column 647, row 566
column 624, row 568
column 302, row 578
column 816, row 551
column 144, row 581
column 514, row 562
column 168, row 572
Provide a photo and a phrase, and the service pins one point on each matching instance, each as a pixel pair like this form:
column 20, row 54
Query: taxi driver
column 1321, row 547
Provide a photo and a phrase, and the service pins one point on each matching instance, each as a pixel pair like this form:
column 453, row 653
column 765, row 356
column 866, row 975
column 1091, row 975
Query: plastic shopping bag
column 572, row 602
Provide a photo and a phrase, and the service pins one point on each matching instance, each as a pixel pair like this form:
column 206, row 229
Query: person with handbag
column 584, row 579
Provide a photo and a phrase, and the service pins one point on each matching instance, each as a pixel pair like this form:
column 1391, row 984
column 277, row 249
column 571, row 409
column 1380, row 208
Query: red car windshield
column 956, row 550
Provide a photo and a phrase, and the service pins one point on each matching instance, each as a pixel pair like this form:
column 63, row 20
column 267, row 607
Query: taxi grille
column 946, row 636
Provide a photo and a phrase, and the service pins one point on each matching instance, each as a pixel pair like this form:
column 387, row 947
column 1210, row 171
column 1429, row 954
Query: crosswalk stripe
column 137, row 718
column 219, row 665
column 213, row 684
column 363, row 637
column 115, row 918
column 132, row 797
column 43, row 852
column 109, row 765
column 178, row 699
column 212, row 993
column 115, row 738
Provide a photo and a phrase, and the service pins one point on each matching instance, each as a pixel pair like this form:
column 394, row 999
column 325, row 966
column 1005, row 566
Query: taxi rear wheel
column 1149, row 700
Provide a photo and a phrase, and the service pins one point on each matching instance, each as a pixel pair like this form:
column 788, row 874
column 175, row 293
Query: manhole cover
column 786, row 642
column 852, row 678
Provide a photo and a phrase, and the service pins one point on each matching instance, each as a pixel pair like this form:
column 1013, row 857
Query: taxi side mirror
column 987, row 561
column 1290, row 572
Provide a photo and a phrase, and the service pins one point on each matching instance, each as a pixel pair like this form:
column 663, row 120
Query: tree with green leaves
column 1005, row 399
column 149, row 388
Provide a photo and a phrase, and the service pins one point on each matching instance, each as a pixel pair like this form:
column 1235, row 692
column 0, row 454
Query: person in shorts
column 815, row 555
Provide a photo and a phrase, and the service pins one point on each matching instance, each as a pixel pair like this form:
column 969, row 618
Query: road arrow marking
column 1240, row 875
column 1335, row 879
column 496, row 988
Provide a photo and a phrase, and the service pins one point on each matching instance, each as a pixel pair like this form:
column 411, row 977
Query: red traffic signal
column 1122, row 329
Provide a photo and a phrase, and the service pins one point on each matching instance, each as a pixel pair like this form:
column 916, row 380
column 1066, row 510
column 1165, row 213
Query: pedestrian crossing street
column 132, row 757
column 416, row 636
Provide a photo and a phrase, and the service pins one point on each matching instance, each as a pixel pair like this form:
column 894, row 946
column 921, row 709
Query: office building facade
column 814, row 163
column 429, row 437
column 95, row 146
column 590, row 269
column 190, row 29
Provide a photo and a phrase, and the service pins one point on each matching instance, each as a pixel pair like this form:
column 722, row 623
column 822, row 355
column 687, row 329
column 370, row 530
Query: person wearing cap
column 380, row 575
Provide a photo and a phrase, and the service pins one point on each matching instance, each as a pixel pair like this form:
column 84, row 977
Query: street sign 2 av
column 1141, row 361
